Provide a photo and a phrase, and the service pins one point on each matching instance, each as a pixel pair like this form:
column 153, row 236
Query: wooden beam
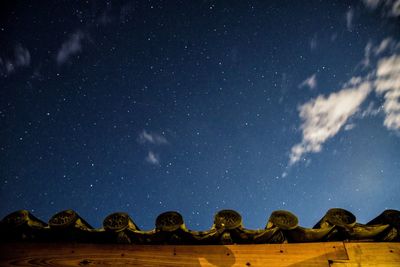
column 301, row 254
column 370, row 254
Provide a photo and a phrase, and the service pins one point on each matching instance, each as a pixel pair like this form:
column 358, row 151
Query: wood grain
column 370, row 254
column 303, row 254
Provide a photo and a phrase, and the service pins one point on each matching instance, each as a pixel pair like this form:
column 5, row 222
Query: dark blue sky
column 198, row 106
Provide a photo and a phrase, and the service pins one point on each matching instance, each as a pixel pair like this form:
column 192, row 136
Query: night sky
column 198, row 106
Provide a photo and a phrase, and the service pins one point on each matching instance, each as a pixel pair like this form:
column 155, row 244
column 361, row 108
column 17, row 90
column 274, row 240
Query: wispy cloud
column 367, row 55
column 371, row 110
column 152, row 138
column 372, row 52
column 22, row 58
column 313, row 42
column 395, row 10
column 324, row 116
column 387, row 44
column 334, row 37
column 388, row 84
column 349, row 127
column 70, row 47
column 390, row 8
column 387, row 79
column 152, row 141
column 349, row 19
column 152, row 158
column 310, row 82
column 372, row 4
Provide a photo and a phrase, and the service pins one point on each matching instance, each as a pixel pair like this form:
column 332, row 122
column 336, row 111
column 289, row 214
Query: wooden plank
column 370, row 254
column 357, row 264
column 305, row 254
column 373, row 252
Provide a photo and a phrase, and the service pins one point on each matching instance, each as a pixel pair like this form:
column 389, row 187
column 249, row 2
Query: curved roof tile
column 282, row 227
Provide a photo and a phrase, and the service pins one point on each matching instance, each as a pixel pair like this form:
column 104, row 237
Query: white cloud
column 372, row 53
column 388, row 84
column 152, row 158
column 310, row 82
column 152, row 138
column 367, row 55
column 22, row 58
column 323, row 117
column 349, row 127
column 390, row 8
column 388, row 66
column 349, row 19
column 70, row 47
column 395, row 10
column 386, row 44
column 371, row 110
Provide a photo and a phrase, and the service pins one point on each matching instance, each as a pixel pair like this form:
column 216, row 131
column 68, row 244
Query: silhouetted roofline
column 282, row 227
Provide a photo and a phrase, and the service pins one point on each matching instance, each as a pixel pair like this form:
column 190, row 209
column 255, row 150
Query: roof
column 282, row 227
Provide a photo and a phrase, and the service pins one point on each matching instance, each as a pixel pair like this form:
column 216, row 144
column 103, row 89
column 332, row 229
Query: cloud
column 310, row 82
column 313, row 42
column 152, row 138
column 349, row 127
column 390, row 8
column 70, row 47
column 372, row 4
column 152, row 158
column 371, row 110
column 388, row 84
column 387, row 44
column 383, row 46
column 324, row 116
column 334, row 37
column 396, row 8
column 22, row 58
column 366, row 62
column 371, row 52
column 349, row 19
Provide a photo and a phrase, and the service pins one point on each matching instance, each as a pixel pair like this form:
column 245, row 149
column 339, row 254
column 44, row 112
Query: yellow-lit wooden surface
column 306, row 254
column 371, row 254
